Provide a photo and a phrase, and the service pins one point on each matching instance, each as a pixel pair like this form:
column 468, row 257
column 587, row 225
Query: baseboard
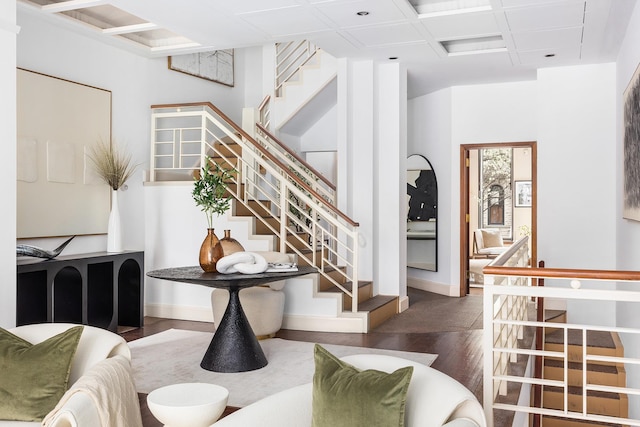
column 295, row 322
column 403, row 303
column 435, row 287
column 324, row 324
column 179, row 312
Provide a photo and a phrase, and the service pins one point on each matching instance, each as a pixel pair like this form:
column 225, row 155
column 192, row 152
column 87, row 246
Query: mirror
column 422, row 214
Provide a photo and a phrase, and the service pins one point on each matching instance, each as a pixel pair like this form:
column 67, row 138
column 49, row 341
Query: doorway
column 504, row 201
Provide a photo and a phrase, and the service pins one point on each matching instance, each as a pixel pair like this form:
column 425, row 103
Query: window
column 496, row 205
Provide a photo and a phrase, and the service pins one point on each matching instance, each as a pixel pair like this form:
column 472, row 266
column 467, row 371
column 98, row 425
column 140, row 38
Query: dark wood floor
column 459, row 353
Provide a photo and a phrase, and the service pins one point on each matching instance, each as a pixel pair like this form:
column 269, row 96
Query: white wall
column 576, row 204
column 8, row 30
column 627, row 231
column 321, row 136
column 390, row 154
column 429, row 134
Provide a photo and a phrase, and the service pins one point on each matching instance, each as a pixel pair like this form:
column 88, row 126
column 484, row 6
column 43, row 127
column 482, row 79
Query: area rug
column 174, row 356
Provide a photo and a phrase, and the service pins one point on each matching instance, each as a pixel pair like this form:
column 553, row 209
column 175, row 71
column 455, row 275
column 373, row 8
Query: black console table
column 234, row 347
column 99, row 289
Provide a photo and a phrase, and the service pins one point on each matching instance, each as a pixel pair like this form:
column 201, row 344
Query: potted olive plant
column 209, row 193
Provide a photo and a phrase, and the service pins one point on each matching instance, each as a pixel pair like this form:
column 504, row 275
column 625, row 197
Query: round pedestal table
column 234, row 347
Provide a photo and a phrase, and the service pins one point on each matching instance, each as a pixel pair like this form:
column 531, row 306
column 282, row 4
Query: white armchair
column 433, row 400
column 95, row 345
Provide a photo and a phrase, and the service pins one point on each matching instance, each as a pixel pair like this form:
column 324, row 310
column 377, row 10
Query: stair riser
column 318, row 258
column 227, row 162
column 563, row 422
column 364, row 293
column 230, row 150
column 595, row 405
column 326, row 283
column 575, row 352
column 261, row 227
column 382, row 314
column 575, row 377
column 261, row 208
column 298, row 241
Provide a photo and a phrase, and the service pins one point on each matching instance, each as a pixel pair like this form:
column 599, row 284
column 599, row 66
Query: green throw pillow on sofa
column 345, row 396
column 33, row 378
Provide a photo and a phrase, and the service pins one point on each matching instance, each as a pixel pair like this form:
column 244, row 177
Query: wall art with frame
column 216, row 66
column 522, row 194
column 58, row 191
column 631, row 148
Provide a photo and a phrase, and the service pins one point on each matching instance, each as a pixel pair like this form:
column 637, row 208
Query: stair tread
column 348, row 286
column 576, row 390
column 601, row 339
column 375, row 302
column 549, row 315
column 593, row 367
column 585, row 422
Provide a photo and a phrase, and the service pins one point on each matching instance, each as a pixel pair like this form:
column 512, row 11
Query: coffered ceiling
column 441, row 42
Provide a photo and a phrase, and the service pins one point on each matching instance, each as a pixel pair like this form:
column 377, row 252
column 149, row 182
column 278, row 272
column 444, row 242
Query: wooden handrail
column 264, row 102
column 295, row 156
column 265, row 153
column 563, row 273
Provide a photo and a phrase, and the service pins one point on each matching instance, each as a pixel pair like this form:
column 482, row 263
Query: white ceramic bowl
column 188, row 404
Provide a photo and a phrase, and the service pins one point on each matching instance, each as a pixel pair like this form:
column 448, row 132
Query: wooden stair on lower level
column 600, row 373
column 379, row 308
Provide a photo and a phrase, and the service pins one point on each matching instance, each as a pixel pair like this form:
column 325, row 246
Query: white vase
column 114, row 230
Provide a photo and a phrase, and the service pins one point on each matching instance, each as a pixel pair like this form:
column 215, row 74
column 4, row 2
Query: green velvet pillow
column 34, row 377
column 345, row 396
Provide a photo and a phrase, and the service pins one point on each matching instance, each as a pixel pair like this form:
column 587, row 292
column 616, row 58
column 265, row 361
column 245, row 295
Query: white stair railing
column 296, row 164
column 290, row 57
column 303, row 220
column 603, row 287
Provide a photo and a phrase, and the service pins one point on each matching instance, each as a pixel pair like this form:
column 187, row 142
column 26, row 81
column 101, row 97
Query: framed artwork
column 58, row 121
column 523, row 194
column 216, row 65
column 631, row 148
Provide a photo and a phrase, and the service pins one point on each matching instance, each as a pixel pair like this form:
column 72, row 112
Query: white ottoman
column 188, row 404
column 263, row 306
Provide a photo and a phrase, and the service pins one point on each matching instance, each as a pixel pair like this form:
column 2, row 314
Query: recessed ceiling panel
column 345, row 14
column 245, row 6
column 103, row 17
column 157, row 38
column 461, row 26
column 546, row 17
column 474, row 45
column 285, row 22
column 444, row 6
column 560, row 57
column 386, row 35
column 537, row 40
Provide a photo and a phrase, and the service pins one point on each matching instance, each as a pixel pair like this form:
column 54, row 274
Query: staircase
column 601, row 373
column 373, row 309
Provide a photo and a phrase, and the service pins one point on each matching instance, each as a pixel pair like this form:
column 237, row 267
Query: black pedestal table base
column 234, row 347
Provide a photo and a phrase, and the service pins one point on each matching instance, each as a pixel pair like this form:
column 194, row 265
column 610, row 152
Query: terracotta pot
column 210, row 252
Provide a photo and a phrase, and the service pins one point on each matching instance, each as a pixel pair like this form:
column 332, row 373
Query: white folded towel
column 242, row 262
